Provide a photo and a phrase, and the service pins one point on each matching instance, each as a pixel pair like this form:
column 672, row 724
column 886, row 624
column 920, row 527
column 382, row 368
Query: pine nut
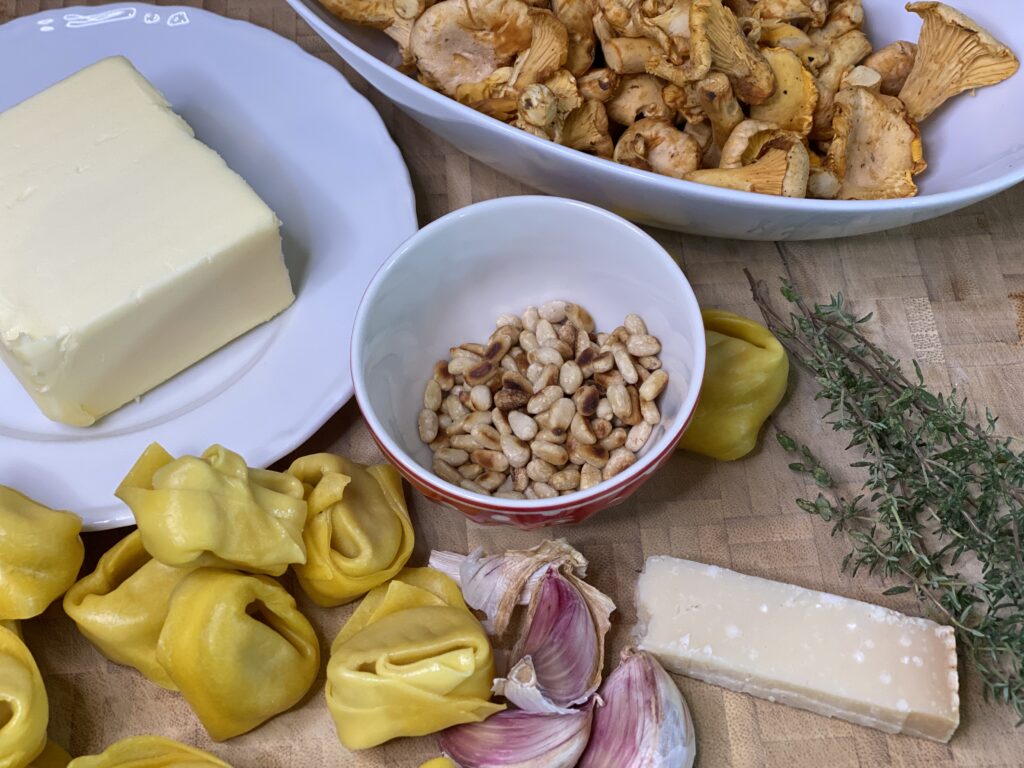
column 530, row 318
column 582, row 342
column 442, row 441
column 539, row 470
column 493, row 461
column 500, row 421
column 579, row 317
column 515, row 450
column 523, row 427
column 480, row 398
column 510, row 495
column 530, row 494
column 528, row 341
column 508, row 318
column 432, row 395
column 469, row 485
column 520, row 479
column 544, row 399
column 444, row 421
column 428, row 426
column 441, row 375
column 594, row 455
column 620, row 460
column 638, row 436
column 566, row 479
column 654, row 386
column 498, row 348
column 635, row 325
column 602, row 339
column 544, row 491
column 487, row 436
column 553, row 454
column 580, row 429
column 570, row 378
column 635, row 417
column 553, row 311
column 545, row 332
column 604, row 409
column 533, row 371
column 589, row 476
column 601, row 428
column 482, row 373
column 508, row 330
column 464, row 442
column 510, row 399
column 445, row 471
column 471, row 471
column 506, row 485
column 453, row 457
column 474, row 352
column 603, row 362
column 619, row 399
column 615, row 440
column 568, row 335
column 508, row 363
column 650, row 363
column 460, row 366
column 545, row 356
column 606, row 379
column 547, row 376
column 586, row 399
column 624, row 363
column 476, row 418
column 491, row 481
column 649, row 410
column 643, row 345
column 454, row 407
column 562, row 412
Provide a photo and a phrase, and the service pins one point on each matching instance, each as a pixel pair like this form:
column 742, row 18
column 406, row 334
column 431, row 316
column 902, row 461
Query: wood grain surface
column 950, row 292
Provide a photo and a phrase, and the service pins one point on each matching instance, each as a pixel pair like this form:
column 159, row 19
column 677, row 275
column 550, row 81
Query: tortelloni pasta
column 121, row 606
column 238, row 649
column 52, row 756
column 358, row 534
column 40, row 554
column 149, row 752
column 24, row 709
column 411, row 660
column 216, row 511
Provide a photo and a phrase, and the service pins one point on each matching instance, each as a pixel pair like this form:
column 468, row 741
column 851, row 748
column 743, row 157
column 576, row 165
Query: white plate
column 975, row 146
column 314, row 150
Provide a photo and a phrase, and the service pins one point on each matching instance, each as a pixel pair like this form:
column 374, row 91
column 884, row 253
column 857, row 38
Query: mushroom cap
column 464, row 41
column 862, row 76
column 844, row 16
column 893, row 63
column 586, row 129
column 718, row 40
column 845, row 53
column 720, row 105
column 745, row 142
column 955, row 54
column 372, row 13
column 598, row 84
column 792, row 105
column 548, row 51
column 783, row 169
column 639, row 96
column 578, row 18
column 812, row 12
column 778, row 34
column 876, row 148
column 657, row 145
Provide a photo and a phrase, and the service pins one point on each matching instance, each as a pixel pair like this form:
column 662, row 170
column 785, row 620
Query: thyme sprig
column 942, row 509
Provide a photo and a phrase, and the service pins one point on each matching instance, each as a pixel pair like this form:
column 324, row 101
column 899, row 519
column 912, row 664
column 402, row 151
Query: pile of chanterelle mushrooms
column 784, row 97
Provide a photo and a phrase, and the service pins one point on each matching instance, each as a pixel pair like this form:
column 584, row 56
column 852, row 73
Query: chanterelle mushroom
column 549, row 48
column 586, row 129
column 464, row 41
column 844, row 54
column 657, row 145
column 598, row 84
column 876, row 150
column 717, row 40
column 777, row 34
column 796, row 95
column 954, row 54
column 813, row 12
column 395, row 17
column 720, row 105
column 844, row 16
column 542, row 108
column 893, row 63
column 782, row 169
column 577, row 16
column 745, row 142
column 639, row 96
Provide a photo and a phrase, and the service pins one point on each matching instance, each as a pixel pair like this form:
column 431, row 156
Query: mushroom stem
column 893, row 63
column 657, row 145
column 629, row 55
column 723, row 110
column 778, row 172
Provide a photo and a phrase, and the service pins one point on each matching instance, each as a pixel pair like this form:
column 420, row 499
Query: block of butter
column 827, row 654
column 128, row 249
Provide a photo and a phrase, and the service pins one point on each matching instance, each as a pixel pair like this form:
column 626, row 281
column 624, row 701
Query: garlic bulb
column 495, row 584
column 644, row 722
column 557, row 662
column 517, row 739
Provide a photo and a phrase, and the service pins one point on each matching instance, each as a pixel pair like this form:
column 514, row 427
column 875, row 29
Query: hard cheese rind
column 129, row 249
column 827, row 654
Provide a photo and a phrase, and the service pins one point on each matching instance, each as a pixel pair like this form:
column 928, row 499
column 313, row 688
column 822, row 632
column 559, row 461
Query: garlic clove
column 644, row 722
column 495, row 584
column 517, row 739
column 557, row 662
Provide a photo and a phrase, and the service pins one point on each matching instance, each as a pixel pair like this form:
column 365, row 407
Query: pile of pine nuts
column 546, row 406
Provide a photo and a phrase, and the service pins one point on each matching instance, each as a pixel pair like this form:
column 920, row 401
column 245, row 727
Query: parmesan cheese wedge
column 815, row 651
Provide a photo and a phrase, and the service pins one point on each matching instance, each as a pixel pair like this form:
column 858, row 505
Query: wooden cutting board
column 950, row 292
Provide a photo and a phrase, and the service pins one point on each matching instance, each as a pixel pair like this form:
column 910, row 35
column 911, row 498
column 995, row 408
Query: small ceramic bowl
column 449, row 282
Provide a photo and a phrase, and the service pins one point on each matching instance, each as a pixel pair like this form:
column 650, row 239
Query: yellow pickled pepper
column 121, row 606
column 237, row 648
column 149, row 752
column 214, row 510
column 745, row 379
column 24, row 706
column 411, row 660
column 40, row 554
column 358, row 534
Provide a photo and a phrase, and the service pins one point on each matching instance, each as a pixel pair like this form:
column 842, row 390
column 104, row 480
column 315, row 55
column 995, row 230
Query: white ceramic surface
column 974, row 146
column 320, row 156
column 448, row 283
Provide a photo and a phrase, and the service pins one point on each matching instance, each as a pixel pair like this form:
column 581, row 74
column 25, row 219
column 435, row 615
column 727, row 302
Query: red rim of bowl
column 454, row 493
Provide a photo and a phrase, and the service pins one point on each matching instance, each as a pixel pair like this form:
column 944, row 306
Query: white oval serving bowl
column 974, row 146
column 449, row 282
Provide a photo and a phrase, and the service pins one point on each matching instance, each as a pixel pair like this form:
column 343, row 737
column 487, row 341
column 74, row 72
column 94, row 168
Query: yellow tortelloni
column 40, row 554
column 411, row 660
column 52, row 756
column 358, row 534
column 238, row 649
column 149, row 752
column 216, row 511
column 121, row 606
column 24, row 709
